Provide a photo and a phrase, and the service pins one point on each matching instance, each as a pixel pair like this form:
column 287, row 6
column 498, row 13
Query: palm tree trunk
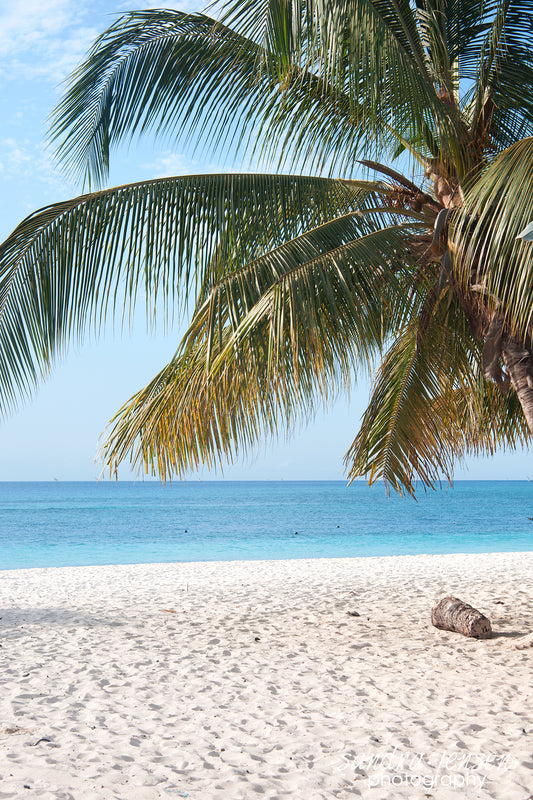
column 519, row 363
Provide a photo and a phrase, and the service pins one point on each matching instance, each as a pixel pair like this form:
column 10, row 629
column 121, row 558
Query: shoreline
column 82, row 525
column 238, row 679
column 243, row 561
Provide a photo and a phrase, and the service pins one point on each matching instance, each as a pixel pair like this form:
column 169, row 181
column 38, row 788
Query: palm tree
column 297, row 283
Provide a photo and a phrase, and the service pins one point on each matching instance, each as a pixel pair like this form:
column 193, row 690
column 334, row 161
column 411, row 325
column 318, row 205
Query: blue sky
column 56, row 434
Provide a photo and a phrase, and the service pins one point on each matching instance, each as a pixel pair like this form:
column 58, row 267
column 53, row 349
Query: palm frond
column 430, row 406
column 302, row 83
column 466, row 24
column 160, row 70
column 274, row 341
column 503, row 95
column 488, row 254
column 184, row 419
column 335, row 289
column 79, row 262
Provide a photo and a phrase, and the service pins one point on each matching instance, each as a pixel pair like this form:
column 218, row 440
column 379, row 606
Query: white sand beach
column 251, row 680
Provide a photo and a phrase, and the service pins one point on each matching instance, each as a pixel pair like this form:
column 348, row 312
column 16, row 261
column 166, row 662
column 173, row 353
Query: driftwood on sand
column 452, row 614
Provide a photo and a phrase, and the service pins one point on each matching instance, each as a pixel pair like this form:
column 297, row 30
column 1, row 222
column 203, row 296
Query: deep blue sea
column 64, row 524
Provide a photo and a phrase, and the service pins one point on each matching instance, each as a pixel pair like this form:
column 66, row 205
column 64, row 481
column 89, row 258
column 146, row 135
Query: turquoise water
column 64, row 524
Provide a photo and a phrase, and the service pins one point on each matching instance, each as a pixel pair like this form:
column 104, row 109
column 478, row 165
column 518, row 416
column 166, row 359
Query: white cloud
column 48, row 38
column 23, row 160
column 25, row 24
column 170, row 164
column 188, row 6
column 15, row 155
column 43, row 38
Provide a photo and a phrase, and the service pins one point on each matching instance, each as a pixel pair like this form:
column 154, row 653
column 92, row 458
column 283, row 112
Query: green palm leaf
column 430, row 406
column 77, row 263
column 488, row 254
column 306, row 83
column 503, row 100
column 281, row 336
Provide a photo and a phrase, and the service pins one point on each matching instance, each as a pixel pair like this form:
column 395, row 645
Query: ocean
column 74, row 524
